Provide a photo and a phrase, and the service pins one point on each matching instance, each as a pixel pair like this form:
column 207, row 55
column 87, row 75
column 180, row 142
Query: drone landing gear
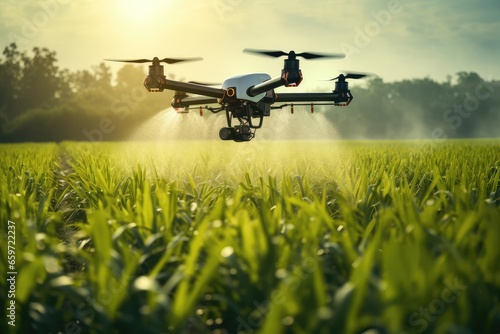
column 244, row 113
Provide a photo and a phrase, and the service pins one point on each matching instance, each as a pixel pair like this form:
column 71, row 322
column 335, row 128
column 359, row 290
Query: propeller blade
column 274, row 54
column 164, row 60
column 138, row 61
column 310, row 55
column 305, row 55
column 178, row 60
column 354, row 75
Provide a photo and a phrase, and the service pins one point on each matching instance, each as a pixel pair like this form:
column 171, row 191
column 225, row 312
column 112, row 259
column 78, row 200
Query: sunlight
column 141, row 11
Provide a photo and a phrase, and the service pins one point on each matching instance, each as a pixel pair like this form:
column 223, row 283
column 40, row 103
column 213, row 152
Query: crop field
column 263, row 237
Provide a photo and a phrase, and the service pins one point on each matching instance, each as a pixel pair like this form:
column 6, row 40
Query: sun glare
column 140, row 11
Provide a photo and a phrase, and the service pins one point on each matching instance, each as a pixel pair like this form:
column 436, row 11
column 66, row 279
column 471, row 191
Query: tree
column 10, row 80
column 40, row 81
column 103, row 77
column 129, row 77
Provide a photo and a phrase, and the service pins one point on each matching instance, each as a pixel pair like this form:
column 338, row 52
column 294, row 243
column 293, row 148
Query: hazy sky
column 395, row 39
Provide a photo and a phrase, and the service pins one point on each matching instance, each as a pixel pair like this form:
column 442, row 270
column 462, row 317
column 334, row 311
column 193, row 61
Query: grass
column 265, row 237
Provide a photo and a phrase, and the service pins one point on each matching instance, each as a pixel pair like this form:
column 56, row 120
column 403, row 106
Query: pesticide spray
column 189, row 141
column 169, row 125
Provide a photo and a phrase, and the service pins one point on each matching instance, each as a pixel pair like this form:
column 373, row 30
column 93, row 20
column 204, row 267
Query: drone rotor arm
column 193, row 88
column 197, row 100
column 307, row 97
column 266, row 86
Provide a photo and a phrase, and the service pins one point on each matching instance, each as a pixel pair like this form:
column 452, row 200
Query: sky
column 397, row 40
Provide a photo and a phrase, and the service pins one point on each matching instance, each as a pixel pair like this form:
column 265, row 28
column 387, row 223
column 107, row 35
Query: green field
column 261, row 237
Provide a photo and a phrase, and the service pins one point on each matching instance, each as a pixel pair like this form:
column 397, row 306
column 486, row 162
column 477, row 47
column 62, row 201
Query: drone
column 247, row 99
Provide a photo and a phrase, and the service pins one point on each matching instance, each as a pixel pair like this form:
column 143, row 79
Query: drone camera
column 226, row 133
column 238, row 133
column 242, row 133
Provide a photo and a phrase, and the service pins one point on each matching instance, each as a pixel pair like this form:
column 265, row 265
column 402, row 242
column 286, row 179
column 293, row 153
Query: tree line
column 39, row 101
column 465, row 106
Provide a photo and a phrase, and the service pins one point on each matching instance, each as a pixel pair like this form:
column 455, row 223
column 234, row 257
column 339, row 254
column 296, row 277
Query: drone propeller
column 155, row 59
column 353, row 75
column 292, row 54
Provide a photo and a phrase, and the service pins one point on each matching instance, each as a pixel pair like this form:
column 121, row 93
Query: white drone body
column 241, row 83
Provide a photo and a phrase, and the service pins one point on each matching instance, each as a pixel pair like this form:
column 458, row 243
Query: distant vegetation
column 39, row 101
column 465, row 106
